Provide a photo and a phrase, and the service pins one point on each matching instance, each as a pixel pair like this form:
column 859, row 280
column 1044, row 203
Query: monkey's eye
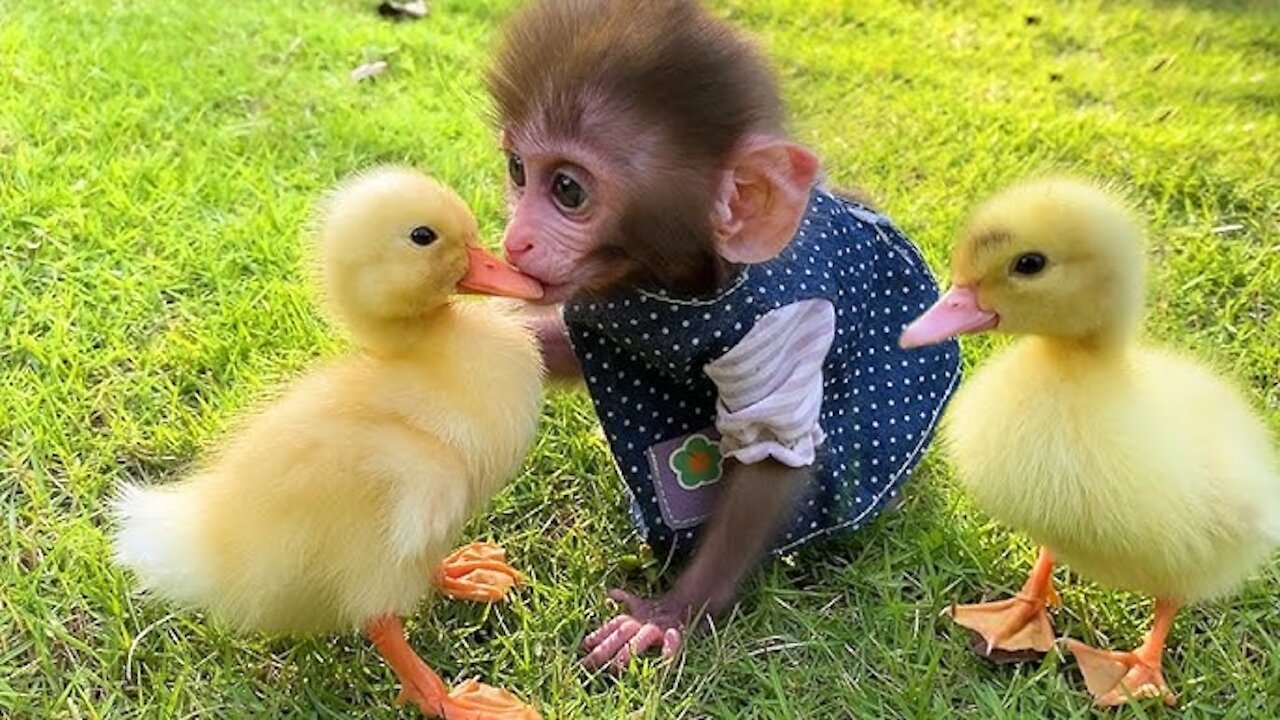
column 1032, row 263
column 568, row 193
column 515, row 170
column 422, row 235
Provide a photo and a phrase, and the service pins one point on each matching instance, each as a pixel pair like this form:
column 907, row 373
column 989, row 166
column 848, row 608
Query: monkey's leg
column 478, row 572
column 1019, row 623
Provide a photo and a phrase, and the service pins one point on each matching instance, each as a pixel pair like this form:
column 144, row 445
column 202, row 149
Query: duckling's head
column 394, row 244
column 1058, row 258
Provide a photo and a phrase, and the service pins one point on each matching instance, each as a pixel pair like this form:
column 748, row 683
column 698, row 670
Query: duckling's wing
column 1232, row 452
column 429, row 497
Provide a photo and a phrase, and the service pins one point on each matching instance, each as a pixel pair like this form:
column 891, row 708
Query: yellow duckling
column 334, row 506
column 1140, row 469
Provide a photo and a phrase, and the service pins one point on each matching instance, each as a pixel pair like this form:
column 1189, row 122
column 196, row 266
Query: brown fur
column 604, row 74
column 669, row 63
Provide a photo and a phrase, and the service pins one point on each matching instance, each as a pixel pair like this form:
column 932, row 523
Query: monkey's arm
column 770, row 401
column 756, row 503
column 753, row 508
column 557, row 351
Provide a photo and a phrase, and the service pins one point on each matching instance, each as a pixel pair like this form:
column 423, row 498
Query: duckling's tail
column 158, row 537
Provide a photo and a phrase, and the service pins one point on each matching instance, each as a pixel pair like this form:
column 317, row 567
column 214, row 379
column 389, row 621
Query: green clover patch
column 697, row 463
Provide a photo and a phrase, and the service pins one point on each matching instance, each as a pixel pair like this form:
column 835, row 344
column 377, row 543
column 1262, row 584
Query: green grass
column 158, row 160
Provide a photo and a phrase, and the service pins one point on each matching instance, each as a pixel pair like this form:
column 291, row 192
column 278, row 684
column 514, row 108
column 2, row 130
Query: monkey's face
column 593, row 216
column 644, row 147
column 557, row 207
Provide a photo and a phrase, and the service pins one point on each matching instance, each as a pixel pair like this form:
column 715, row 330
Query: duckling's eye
column 1029, row 264
column 422, row 235
column 568, row 192
column 515, row 170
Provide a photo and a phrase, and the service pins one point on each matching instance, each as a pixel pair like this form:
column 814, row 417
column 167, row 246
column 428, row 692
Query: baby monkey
column 735, row 321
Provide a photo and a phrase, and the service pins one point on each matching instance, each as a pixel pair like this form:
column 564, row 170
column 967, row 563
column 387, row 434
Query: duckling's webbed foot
column 1116, row 678
column 1017, row 629
column 418, row 682
column 478, row 572
column 420, row 685
column 473, row 700
column 1013, row 630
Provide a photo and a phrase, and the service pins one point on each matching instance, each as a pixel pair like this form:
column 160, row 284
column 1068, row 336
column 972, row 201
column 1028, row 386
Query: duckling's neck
column 1091, row 349
column 1111, row 332
column 401, row 336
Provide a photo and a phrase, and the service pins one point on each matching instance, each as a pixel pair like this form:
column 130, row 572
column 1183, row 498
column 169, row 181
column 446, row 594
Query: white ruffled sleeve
column 770, row 386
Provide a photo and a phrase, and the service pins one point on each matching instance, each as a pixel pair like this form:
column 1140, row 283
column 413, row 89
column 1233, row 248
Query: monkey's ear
column 762, row 199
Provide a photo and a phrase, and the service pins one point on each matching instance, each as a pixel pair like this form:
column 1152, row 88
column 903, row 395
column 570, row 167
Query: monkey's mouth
column 554, row 293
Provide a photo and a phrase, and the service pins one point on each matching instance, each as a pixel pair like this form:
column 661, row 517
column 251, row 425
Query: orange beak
column 487, row 275
column 955, row 313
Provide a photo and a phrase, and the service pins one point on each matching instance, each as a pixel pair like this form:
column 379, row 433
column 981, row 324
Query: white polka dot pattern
column 643, row 353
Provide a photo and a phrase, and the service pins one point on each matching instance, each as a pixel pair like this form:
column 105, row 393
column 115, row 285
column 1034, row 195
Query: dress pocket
column 686, row 473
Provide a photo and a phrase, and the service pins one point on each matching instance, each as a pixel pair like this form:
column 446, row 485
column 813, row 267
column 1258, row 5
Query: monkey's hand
column 756, row 501
column 647, row 624
column 557, row 350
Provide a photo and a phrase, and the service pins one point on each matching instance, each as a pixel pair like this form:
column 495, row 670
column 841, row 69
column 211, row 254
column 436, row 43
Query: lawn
column 158, row 160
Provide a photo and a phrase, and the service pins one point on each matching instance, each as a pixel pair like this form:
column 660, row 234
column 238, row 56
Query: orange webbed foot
column 430, row 704
column 420, row 685
column 418, row 682
column 478, row 572
column 1016, row 629
column 1116, row 678
column 473, row 700
column 1011, row 626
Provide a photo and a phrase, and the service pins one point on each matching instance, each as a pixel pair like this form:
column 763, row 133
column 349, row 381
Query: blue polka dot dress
column 646, row 357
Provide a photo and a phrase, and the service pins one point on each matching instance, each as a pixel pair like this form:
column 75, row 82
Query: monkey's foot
column 474, row 700
column 419, row 684
column 1010, row 627
column 1116, row 678
column 478, row 572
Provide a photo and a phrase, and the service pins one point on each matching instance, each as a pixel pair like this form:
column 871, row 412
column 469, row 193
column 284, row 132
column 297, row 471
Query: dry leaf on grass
column 401, row 10
column 369, row 70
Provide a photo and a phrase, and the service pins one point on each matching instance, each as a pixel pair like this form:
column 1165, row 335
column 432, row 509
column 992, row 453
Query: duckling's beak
column 487, row 275
column 955, row 313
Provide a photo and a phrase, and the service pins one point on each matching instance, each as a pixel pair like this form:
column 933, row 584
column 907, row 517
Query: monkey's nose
column 515, row 248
